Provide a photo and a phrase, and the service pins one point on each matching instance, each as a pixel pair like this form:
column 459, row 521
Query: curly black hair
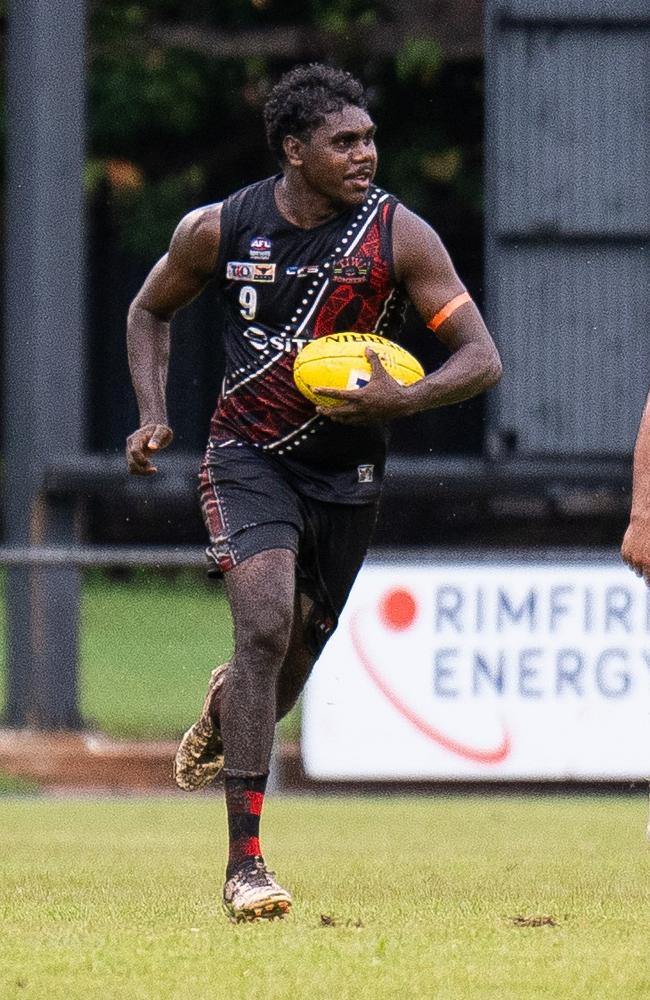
column 303, row 97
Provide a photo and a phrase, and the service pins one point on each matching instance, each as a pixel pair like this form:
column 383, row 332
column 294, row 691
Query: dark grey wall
column 568, row 221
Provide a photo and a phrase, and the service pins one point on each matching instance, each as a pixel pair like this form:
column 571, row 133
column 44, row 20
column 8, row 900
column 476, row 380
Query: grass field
column 422, row 898
column 147, row 648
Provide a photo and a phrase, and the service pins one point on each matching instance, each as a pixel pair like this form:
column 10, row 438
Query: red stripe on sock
column 247, row 847
column 255, row 802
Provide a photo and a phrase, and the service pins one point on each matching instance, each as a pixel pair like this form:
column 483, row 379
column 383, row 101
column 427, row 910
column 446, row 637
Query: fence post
column 44, row 350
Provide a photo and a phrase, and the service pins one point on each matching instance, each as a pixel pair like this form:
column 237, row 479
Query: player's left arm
column 423, row 267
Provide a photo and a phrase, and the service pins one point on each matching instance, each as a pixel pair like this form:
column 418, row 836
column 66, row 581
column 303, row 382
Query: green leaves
column 184, row 121
column 418, row 61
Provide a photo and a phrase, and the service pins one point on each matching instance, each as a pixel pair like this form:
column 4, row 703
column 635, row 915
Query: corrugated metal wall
column 568, row 222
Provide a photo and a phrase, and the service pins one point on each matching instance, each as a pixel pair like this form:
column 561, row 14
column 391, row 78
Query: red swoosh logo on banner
column 478, row 756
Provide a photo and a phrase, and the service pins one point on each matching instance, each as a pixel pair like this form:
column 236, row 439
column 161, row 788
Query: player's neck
column 301, row 205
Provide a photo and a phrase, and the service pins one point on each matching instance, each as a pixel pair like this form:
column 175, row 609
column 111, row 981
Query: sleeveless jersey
column 282, row 286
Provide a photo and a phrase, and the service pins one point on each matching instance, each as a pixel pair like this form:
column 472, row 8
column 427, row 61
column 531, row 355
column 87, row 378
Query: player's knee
column 267, row 639
column 287, row 698
column 295, row 672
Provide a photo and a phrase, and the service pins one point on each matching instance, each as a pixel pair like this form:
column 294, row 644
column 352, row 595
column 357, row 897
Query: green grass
column 119, row 899
column 147, row 647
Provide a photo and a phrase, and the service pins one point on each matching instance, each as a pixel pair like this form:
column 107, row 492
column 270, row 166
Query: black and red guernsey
column 282, row 286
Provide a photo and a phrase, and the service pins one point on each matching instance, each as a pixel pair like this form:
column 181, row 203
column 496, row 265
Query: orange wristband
column 446, row 311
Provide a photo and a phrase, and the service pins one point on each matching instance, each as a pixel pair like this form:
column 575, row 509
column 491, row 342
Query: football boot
column 199, row 757
column 253, row 894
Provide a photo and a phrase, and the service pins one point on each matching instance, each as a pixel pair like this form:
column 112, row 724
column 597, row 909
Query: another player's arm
column 423, row 267
column 636, row 543
column 173, row 282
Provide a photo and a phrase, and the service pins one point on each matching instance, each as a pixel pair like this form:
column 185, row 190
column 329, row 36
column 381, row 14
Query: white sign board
column 483, row 671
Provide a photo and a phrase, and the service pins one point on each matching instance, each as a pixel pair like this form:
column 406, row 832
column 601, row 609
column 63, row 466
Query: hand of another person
column 635, row 549
column 381, row 399
column 143, row 443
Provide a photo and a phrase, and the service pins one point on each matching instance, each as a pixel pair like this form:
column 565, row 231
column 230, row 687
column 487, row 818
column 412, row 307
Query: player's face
column 339, row 159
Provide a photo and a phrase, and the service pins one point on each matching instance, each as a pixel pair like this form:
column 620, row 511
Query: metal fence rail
column 189, row 557
column 103, row 557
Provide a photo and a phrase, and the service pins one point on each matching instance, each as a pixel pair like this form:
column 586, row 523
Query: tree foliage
column 170, row 127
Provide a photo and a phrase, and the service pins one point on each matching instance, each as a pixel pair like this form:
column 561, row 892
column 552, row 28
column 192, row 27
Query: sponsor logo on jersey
column 302, row 270
column 365, row 473
column 352, row 269
column 262, row 340
column 241, row 270
column 260, row 248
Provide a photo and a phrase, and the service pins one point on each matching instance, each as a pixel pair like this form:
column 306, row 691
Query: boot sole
column 271, row 909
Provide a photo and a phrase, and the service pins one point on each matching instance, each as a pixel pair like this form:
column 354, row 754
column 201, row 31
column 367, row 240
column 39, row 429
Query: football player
column 289, row 491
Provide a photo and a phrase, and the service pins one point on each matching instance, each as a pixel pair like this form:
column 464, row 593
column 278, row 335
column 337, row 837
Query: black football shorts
column 250, row 504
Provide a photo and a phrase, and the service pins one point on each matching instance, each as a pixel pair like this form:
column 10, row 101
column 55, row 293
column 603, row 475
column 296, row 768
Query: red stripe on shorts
column 210, row 504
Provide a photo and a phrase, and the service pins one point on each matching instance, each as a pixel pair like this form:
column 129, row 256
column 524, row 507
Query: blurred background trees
column 175, row 114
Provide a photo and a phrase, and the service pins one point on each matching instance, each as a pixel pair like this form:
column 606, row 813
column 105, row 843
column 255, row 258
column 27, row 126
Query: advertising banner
column 485, row 671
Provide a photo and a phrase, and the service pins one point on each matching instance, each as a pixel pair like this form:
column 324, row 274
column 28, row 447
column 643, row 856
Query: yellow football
column 338, row 361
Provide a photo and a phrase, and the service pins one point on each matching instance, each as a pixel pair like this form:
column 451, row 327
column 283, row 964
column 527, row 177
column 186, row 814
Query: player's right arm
column 636, row 543
column 173, row 282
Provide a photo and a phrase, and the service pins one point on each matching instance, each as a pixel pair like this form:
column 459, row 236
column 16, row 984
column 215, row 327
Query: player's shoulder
column 201, row 223
column 416, row 244
column 406, row 224
column 197, row 235
column 409, row 221
column 388, row 206
column 380, row 196
column 251, row 192
column 410, row 230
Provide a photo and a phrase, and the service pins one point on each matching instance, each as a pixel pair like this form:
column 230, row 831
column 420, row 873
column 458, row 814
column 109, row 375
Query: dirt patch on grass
column 534, row 921
column 327, row 920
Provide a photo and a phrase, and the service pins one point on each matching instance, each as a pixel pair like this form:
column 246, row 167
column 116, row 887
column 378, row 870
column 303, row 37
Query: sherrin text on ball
column 338, row 361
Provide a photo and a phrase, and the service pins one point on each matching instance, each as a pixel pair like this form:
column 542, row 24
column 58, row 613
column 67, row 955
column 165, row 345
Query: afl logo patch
column 352, row 269
column 260, row 248
column 241, row 270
